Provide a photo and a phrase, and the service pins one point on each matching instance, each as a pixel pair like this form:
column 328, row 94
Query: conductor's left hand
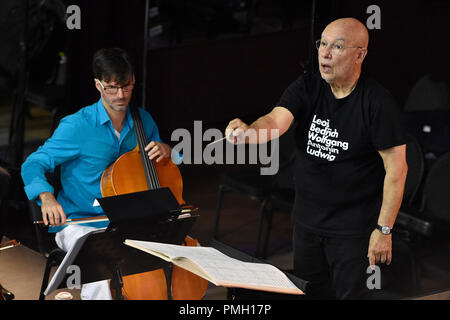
column 380, row 248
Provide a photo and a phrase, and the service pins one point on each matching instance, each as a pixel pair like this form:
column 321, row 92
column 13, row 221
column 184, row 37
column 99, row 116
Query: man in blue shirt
column 84, row 145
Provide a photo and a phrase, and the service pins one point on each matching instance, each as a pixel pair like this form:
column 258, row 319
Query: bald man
column 350, row 165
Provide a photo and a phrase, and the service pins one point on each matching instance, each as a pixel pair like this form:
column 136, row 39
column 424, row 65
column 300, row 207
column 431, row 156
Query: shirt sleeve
column 291, row 98
column 62, row 146
column 386, row 129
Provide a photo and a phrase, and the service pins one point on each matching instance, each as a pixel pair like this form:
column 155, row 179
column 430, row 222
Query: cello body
column 128, row 174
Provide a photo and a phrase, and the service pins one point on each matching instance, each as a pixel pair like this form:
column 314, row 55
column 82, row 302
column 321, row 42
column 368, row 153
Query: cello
column 134, row 172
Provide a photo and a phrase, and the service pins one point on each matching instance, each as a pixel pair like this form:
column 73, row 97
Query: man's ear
column 97, row 85
column 361, row 55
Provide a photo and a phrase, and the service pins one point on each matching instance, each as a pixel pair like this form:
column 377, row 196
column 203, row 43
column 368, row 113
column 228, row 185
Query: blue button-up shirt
column 84, row 145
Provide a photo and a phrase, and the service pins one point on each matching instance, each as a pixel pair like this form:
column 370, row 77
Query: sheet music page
column 222, row 267
column 70, row 256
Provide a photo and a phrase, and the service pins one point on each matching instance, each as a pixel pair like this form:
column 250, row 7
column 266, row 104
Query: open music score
column 220, row 269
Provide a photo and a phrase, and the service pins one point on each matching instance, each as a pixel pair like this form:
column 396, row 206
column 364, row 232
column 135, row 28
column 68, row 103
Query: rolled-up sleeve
column 62, row 146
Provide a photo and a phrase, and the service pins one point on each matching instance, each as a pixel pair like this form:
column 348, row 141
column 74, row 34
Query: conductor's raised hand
column 52, row 211
column 158, row 150
column 236, row 131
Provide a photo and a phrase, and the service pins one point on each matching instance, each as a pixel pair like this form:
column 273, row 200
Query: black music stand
column 102, row 254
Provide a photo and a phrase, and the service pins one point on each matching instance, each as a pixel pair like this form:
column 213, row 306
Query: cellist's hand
column 158, row 150
column 52, row 211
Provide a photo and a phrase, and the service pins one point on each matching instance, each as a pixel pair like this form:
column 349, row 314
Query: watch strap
column 380, row 228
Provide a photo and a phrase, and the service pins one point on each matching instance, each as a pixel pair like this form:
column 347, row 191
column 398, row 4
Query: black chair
column 53, row 255
column 435, row 260
column 408, row 220
column 45, row 241
column 404, row 274
column 416, row 169
column 436, row 198
column 279, row 199
column 250, row 183
column 429, row 225
column 414, row 215
column 51, row 97
column 5, row 185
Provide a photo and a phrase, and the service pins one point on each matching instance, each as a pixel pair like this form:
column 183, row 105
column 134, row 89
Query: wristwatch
column 384, row 229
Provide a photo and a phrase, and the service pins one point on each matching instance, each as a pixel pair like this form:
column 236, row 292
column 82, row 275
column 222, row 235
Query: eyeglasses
column 115, row 89
column 337, row 48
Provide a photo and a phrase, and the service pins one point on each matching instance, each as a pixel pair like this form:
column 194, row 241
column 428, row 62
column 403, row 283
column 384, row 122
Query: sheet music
column 222, row 267
column 70, row 256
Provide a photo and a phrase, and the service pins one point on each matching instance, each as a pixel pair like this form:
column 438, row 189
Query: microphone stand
column 144, row 61
column 17, row 125
column 313, row 23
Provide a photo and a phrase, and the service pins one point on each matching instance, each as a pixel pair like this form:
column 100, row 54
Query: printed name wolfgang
column 226, row 309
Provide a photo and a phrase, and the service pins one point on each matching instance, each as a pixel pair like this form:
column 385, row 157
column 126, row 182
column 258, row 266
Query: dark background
column 214, row 60
column 216, row 79
column 207, row 65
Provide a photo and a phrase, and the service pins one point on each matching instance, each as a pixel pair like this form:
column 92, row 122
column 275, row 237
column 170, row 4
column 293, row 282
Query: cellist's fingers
column 150, row 145
column 52, row 217
column 166, row 151
column 160, row 158
column 154, row 151
column 163, row 151
column 160, row 149
column 52, row 211
column 44, row 217
column 62, row 216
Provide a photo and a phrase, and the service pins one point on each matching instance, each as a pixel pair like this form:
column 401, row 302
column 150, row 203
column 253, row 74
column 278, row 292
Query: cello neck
column 149, row 168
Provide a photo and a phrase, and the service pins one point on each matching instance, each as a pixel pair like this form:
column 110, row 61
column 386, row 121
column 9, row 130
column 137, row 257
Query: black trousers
column 335, row 268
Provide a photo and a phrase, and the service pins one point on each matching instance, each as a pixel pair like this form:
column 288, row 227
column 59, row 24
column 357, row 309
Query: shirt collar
column 103, row 117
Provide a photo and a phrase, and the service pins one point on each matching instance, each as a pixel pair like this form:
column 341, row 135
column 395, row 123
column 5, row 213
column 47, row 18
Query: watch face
column 385, row 230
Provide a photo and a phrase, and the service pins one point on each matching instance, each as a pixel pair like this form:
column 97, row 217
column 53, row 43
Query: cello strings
column 151, row 171
column 138, row 133
column 149, row 164
column 141, row 136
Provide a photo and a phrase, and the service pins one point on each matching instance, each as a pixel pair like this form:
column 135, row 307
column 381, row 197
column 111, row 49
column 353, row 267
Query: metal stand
column 17, row 125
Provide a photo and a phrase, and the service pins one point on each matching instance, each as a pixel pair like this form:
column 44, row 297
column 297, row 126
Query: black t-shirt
column 339, row 173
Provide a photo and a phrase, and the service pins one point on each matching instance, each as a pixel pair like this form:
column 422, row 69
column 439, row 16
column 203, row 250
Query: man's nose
column 326, row 52
column 120, row 92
